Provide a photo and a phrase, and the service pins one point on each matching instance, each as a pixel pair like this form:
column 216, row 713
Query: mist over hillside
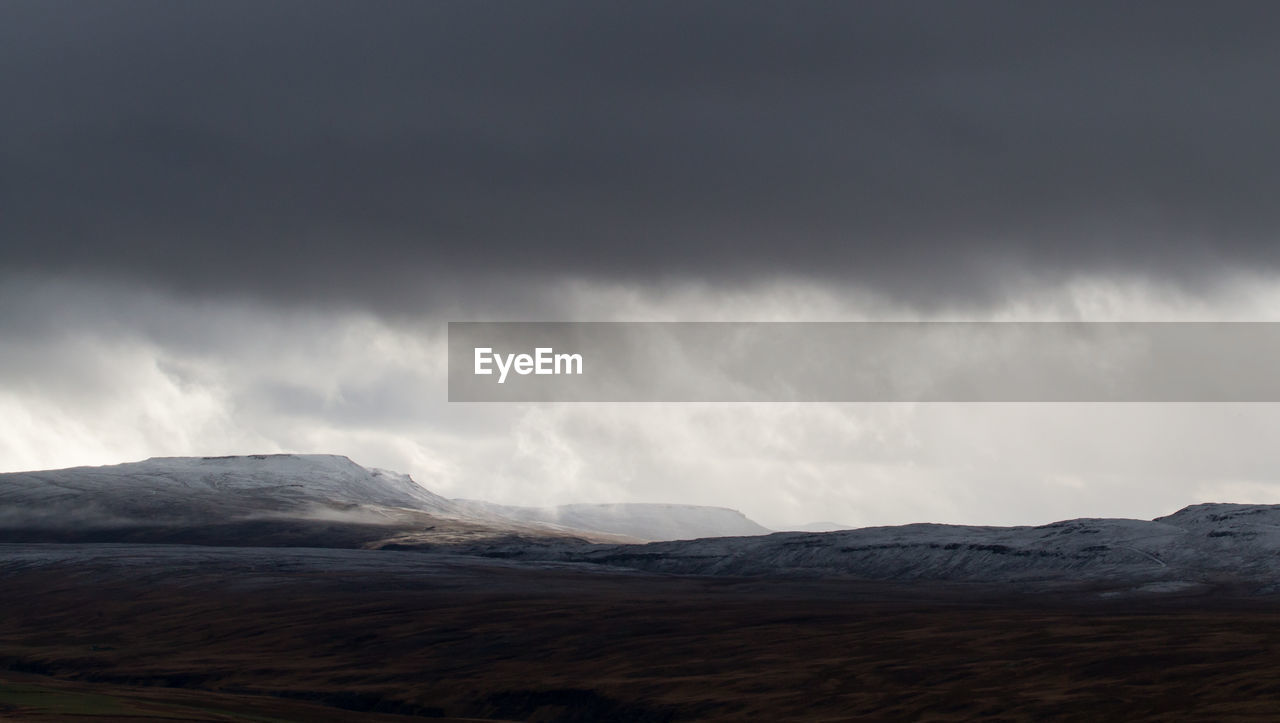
column 330, row 501
column 311, row 499
column 651, row 522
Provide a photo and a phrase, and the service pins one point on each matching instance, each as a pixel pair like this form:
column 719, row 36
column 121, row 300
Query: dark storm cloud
column 363, row 152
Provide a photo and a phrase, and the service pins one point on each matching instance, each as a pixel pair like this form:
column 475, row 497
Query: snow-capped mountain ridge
column 1223, row 514
column 163, row 488
column 1199, row 545
column 330, row 501
column 308, row 498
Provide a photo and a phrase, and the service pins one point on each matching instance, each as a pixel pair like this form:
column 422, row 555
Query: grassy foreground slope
column 497, row 641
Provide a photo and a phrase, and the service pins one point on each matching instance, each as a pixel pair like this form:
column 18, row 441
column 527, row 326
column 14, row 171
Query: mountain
column 205, row 488
column 282, row 499
column 640, row 521
column 330, row 501
column 1202, row 545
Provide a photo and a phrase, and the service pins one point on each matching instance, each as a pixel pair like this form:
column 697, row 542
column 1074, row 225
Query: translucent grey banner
column 864, row 362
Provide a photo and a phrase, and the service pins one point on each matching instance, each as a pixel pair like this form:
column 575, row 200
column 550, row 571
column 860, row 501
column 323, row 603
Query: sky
column 241, row 227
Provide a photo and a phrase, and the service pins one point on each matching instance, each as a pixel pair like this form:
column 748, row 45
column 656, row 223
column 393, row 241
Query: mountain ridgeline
column 331, row 502
column 308, row 500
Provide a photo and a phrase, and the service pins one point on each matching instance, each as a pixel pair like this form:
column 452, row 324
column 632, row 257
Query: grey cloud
column 386, row 154
column 102, row 375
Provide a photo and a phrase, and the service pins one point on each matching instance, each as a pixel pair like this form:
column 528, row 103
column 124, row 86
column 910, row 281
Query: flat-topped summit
column 319, row 500
column 208, row 488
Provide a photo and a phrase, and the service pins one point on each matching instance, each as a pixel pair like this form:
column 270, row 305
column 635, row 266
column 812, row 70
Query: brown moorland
column 504, row 642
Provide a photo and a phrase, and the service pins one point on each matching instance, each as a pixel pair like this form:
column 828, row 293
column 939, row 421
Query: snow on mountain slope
column 1200, row 545
column 1225, row 516
column 202, row 489
column 921, row 551
column 330, row 501
column 641, row 521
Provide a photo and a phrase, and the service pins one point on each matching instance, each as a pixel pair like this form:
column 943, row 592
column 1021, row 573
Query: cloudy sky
column 240, row 227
